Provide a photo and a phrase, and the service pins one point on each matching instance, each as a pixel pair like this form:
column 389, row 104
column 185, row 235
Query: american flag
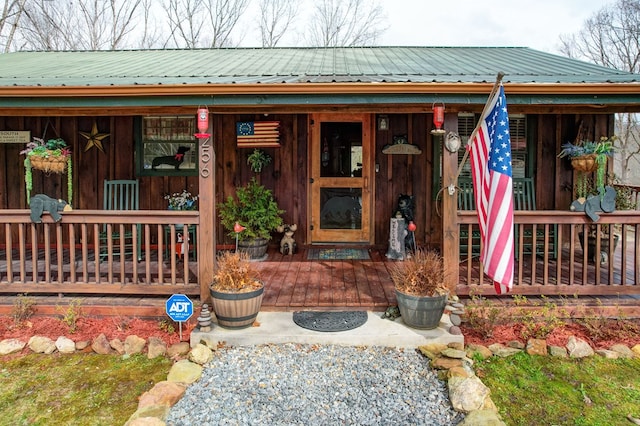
column 251, row 134
column 493, row 191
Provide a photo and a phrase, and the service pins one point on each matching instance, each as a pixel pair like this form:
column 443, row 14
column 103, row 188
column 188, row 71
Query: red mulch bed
column 611, row 335
column 89, row 328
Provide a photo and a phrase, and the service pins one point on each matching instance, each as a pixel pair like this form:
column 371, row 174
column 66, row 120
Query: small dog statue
column 171, row 160
column 287, row 244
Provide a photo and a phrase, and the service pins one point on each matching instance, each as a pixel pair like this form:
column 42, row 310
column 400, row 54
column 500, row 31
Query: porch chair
column 524, row 198
column 121, row 195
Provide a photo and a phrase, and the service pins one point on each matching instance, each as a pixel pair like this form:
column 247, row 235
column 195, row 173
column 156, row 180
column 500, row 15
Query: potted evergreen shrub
column 236, row 291
column 255, row 209
column 421, row 290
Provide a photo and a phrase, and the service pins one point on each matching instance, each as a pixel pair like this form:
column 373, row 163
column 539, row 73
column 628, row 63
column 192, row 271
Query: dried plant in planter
column 235, row 274
column 423, row 274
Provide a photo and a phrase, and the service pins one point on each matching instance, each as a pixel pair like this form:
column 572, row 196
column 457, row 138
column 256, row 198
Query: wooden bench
column 524, row 198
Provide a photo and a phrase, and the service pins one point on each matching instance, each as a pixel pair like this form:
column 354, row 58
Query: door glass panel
column 341, row 149
column 341, row 208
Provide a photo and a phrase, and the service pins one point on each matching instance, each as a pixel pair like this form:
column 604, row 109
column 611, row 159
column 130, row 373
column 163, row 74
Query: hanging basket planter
column 49, row 163
column 585, row 163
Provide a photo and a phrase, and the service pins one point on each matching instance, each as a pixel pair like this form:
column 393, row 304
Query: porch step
column 278, row 327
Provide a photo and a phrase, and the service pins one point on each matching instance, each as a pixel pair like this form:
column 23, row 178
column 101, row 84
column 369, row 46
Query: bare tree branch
column 79, row 25
column 276, row 16
column 11, row 13
column 611, row 37
column 346, row 23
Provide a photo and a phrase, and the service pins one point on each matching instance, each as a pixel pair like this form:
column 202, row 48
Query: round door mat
column 329, row 320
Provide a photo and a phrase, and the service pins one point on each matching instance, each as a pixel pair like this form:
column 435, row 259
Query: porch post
column 450, row 228
column 207, row 210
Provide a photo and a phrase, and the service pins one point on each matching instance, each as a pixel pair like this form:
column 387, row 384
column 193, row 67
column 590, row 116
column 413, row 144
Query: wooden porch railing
column 65, row 257
column 550, row 259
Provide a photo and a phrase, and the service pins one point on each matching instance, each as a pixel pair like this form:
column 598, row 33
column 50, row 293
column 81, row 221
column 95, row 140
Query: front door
column 340, row 182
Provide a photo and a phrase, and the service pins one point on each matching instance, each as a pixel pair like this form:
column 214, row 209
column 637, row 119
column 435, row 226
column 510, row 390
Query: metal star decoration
column 94, row 138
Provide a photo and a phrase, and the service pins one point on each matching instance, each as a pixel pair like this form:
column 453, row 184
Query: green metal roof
column 299, row 65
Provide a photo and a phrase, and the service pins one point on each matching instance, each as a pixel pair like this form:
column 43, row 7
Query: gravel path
column 295, row 384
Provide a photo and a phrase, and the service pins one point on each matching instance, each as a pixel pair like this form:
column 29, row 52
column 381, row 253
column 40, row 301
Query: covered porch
column 65, row 266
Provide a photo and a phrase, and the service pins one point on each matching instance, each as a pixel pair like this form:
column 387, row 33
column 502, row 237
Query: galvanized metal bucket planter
column 236, row 310
column 422, row 312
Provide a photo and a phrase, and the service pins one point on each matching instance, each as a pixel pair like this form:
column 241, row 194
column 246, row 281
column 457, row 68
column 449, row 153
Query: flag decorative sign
column 490, row 150
column 258, row 134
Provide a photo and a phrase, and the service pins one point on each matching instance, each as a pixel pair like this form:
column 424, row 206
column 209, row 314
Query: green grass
column 76, row 389
column 534, row 390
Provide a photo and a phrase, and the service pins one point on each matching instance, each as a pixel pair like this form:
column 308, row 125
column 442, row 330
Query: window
column 519, row 154
column 521, row 151
column 167, row 146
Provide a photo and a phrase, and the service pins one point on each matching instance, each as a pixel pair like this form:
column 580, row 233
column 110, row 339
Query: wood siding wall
column 287, row 174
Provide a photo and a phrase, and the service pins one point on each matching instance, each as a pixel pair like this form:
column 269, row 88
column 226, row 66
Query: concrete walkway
column 278, row 327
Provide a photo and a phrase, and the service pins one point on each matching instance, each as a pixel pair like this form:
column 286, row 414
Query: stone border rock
column 467, row 392
column 454, row 361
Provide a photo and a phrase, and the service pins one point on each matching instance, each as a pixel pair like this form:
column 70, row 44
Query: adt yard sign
column 179, row 307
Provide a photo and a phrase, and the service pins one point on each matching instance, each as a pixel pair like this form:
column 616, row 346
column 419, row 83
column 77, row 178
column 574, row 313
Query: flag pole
column 495, row 88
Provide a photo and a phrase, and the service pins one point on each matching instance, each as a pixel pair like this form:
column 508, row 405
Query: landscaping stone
column 455, row 330
column 516, row 344
column 458, row 372
column 622, row 350
column 200, row 354
column 467, row 393
column 606, row 353
column 578, row 348
column 9, row 346
column 178, row 349
column 163, row 393
column 456, row 345
column 501, row 350
column 117, row 345
column 453, row 353
column 82, row 345
column 482, row 418
column 157, row 411
column 636, row 350
column 146, row 421
column 100, row 345
column 156, row 348
column 184, row 371
column 537, row 347
column 134, row 345
column 41, row 345
column 435, row 348
column 442, row 363
column 64, row 345
column 482, row 350
column 558, row 351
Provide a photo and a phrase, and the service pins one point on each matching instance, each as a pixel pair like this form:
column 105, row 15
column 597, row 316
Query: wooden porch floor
column 296, row 283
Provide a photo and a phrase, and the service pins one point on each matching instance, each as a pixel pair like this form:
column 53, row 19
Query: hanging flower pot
column 49, row 162
column 585, row 163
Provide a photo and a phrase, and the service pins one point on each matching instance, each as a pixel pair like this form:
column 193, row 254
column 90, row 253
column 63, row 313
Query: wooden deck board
column 295, row 283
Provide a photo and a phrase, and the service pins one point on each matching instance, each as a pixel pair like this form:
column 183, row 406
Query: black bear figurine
column 406, row 206
column 42, row 203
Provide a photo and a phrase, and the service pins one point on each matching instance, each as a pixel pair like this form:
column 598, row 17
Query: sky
column 537, row 24
column 530, row 23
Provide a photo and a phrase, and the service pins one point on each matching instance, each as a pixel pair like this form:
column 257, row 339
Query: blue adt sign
column 179, row 307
